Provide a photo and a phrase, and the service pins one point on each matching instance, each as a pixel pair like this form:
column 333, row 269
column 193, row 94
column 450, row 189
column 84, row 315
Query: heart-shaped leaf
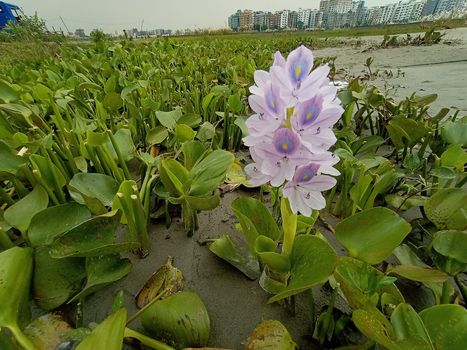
column 372, row 234
column 312, row 260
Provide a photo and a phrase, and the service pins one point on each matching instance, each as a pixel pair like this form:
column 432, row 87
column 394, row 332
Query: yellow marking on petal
column 298, row 70
column 273, row 104
column 285, row 146
column 308, row 116
column 305, row 177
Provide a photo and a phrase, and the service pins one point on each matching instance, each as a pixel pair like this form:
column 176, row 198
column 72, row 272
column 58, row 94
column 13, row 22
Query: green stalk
column 129, row 216
column 59, row 164
column 22, row 339
column 40, row 180
column 112, row 164
column 20, row 189
column 141, row 222
column 145, row 340
column 103, row 161
column 58, row 188
column 462, row 287
column 5, row 241
column 147, row 306
column 5, row 197
column 94, row 160
column 289, row 225
column 28, row 174
column 122, row 162
column 187, row 215
column 445, row 296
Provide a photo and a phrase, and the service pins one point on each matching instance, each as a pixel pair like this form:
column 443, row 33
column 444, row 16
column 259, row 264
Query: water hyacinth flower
column 291, row 133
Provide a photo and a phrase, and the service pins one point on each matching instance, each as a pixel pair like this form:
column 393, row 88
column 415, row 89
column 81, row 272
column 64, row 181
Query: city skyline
column 117, row 15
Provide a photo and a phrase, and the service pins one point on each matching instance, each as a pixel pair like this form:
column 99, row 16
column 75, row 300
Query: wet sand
column 440, row 68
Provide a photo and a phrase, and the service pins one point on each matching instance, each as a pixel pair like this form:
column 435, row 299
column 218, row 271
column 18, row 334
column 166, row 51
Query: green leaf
column 419, row 274
column 446, row 325
column 19, row 215
column 174, row 176
column 180, row 320
column 192, row 151
column 372, row 234
column 46, row 331
column 446, row 209
column 374, row 329
column 94, row 237
column 206, row 132
column 208, row 173
column 169, row 119
column 113, row 101
column 455, row 133
column 184, row 133
column 157, row 135
column 7, row 93
column 108, row 335
column 97, row 191
column 255, row 219
column 10, row 161
column 55, row 280
column 312, row 260
column 191, row 120
column 101, row 271
column 15, row 273
column 409, row 327
column 455, row 157
column 50, row 223
column 237, row 254
column 46, row 168
column 203, row 203
column 125, row 144
column 270, row 335
column 451, row 244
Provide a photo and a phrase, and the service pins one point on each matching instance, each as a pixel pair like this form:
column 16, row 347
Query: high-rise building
column 284, row 19
column 444, row 6
column 429, row 8
column 246, row 20
column 234, row 21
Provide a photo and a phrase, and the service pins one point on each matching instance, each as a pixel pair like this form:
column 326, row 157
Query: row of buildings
column 347, row 13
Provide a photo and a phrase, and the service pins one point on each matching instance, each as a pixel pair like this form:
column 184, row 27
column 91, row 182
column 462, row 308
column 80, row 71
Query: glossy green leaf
column 108, row 335
column 101, row 271
column 55, row 280
column 96, row 191
column 113, row 101
column 446, row 209
column 169, row 119
column 455, row 132
column 15, row 277
column 312, row 260
column 174, row 176
column 50, row 223
column 157, row 135
column 419, row 274
column 191, row 120
column 94, row 237
column 372, row 234
column 374, row 329
column 270, row 335
column 10, row 161
column 184, row 133
column 192, row 151
column 7, row 93
column 446, row 325
column 181, row 320
column 255, row 219
column 45, row 168
column 19, row 215
column 454, row 156
column 203, row 203
column 237, row 254
column 208, row 173
column 206, row 132
column 451, row 244
column 125, row 144
column 409, row 328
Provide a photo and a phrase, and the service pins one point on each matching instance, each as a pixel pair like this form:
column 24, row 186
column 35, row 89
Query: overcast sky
column 112, row 15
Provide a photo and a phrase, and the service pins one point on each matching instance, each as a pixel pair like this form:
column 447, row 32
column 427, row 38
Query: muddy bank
column 440, row 68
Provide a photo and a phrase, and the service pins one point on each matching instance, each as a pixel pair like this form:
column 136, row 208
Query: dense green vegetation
column 97, row 139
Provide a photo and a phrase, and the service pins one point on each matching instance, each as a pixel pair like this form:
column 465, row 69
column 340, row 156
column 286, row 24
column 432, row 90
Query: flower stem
column 289, row 225
column 147, row 341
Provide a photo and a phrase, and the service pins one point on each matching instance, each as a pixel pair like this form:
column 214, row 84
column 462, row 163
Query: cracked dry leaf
column 166, row 277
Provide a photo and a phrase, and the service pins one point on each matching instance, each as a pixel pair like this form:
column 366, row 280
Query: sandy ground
column 235, row 304
column 440, row 69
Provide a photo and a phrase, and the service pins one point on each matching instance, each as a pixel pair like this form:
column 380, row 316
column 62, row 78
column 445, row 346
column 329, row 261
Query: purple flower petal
column 308, row 111
column 305, row 174
column 299, row 64
column 286, row 142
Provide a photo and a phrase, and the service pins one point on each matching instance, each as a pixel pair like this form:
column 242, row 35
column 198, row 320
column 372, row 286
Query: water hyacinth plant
column 291, row 131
